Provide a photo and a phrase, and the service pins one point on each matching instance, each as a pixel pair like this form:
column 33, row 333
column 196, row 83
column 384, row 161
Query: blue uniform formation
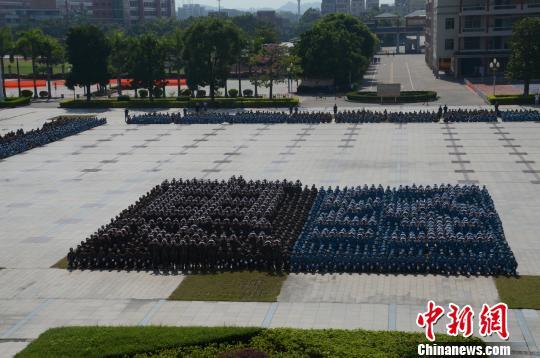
column 366, row 116
column 470, row 115
column 20, row 141
column 202, row 225
column 154, row 118
column 521, row 116
column 258, row 117
column 438, row 230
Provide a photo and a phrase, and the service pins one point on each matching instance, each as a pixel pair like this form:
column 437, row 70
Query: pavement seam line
column 529, row 339
column 26, row 319
column 270, row 315
column 146, row 320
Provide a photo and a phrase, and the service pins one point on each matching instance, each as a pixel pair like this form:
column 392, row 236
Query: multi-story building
column 343, row 6
column 328, row 7
column 358, row 7
column 131, row 11
column 408, row 6
column 372, row 5
column 463, row 36
column 14, row 12
column 191, row 10
column 73, row 8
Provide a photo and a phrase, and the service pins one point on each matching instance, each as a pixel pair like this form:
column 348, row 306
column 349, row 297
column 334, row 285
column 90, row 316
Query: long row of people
column 201, row 225
column 521, row 115
column 20, row 141
column 347, row 116
column 441, row 229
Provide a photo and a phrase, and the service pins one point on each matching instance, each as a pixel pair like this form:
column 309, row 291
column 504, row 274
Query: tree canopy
column 525, row 57
column 212, row 46
column 147, row 62
column 337, row 47
column 88, row 52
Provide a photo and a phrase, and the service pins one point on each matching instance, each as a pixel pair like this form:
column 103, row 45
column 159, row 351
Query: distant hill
column 293, row 6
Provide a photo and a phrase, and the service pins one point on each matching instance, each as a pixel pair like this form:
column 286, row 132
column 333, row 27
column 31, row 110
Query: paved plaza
column 55, row 196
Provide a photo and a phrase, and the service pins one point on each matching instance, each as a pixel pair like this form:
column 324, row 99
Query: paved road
column 413, row 74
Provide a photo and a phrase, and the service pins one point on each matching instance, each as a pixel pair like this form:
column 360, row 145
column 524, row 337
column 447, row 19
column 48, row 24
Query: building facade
column 358, row 7
column 372, row 5
column 191, row 10
column 16, row 12
column 464, row 36
column 130, row 12
column 405, row 7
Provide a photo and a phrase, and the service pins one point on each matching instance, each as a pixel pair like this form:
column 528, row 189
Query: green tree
column 337, row 47
column 6, row 48
column 175, row 52
column 212, row 46
column 524, row 61
column 88, row 51
column 120, row 54
column 29, row 45
column 272, row 62
column 51, row 53
column 308, row 19
column 147, row 62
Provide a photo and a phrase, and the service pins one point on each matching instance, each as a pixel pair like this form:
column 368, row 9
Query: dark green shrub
column 183, row 98
column 201, row 93
column 43, row 94
column 248, row 93
column 143, row 93
column 405, row 97
column 233, row 92
column 511, row 99
column 26, row 93
column 15, row 102
column 185, row 92
column 123, row 98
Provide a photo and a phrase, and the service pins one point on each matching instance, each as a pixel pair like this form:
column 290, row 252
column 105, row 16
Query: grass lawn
column 243, row 286
column 61, row 264
column 521, row 292
column 224, row 341
column 126, row 341
column 25, row 67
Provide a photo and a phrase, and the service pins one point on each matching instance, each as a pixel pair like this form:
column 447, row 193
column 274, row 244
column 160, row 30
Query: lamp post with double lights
column 494, row 66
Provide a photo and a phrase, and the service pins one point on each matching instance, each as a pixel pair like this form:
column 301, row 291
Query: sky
column 246, row 4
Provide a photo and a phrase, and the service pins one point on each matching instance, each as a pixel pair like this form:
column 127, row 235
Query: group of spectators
column 440, row 230
column 521, row 115
column 20, row 141
column 202, row 225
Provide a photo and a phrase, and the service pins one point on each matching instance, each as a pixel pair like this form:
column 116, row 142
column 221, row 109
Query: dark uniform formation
column 470, row 115
column 201, row 225
column 521, row 116
column 438, row 230
column 20, row 141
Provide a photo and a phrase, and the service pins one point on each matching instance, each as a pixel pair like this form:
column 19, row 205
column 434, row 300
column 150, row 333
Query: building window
column 449, row 23
column 471, row 43
column 449, row 44
column 472, row 23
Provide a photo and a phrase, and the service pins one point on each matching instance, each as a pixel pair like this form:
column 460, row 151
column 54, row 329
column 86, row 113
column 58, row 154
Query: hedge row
column 15, row 102
column 190, row 103
column 511, row 99
column 406, row 97
column 171, row 342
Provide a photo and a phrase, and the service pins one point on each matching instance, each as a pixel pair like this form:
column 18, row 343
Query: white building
column 462, row 37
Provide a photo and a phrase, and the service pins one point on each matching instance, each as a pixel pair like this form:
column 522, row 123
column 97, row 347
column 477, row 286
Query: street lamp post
column 289, row 78
column 494, row 66
column 1, row 85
